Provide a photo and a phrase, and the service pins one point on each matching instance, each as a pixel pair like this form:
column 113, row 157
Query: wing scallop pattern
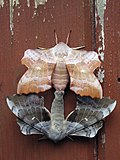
column 34, row 118
column 87, row 117
column 30, row 112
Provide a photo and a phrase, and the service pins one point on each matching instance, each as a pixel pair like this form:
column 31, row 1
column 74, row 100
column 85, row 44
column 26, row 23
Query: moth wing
column 26, row 129
column 31, row 56
column 85, row 120
column 40, row 63
column 80, row 65
column 33, row 117
column 91, row 59
column 84, row 82
column 36, row 79
column 89, row 131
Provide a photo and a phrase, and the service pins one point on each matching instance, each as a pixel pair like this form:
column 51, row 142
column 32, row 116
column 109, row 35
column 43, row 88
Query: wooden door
column 26, row 24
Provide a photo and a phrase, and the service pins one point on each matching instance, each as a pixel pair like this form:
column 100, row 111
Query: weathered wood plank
column 30, row 27
column 108, row 43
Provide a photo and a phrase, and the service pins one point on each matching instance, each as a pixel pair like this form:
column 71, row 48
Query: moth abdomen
column 60, row 76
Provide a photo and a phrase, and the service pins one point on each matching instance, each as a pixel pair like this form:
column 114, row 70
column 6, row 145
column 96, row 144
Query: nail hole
column 118, row 79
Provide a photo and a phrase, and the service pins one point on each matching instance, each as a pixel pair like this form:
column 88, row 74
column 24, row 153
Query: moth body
column 57, row 111
column 57, row 132
column 56, row 67
column 60, row 76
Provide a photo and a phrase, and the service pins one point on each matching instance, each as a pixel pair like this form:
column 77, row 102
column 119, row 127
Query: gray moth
column 34, row 118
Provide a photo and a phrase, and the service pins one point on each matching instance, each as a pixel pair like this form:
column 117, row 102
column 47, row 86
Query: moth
column 34, row 118
column 56, row 67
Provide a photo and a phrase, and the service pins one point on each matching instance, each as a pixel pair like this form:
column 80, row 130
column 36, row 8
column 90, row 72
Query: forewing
column 85, row 120
column 84, row 82
column 31, row 56
column 40, row 63
column 36, row 79
column 80, row 65
column 27, row 129
column 33, row 117
column 91, row 60
column 75, row 56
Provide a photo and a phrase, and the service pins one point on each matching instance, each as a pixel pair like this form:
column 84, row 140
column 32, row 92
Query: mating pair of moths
column 56, row 67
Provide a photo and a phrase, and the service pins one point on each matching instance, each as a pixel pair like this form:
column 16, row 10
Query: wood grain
column 109, row 140
column 34, row 28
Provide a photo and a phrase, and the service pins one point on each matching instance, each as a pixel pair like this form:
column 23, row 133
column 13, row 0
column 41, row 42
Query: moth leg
column 41, row 48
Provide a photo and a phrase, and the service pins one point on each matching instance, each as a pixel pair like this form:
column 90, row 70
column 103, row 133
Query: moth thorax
column 60, row 75
column 61, row 54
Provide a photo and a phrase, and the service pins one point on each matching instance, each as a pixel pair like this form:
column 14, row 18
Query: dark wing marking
column 81, row 130
column 26, row 128
column 31, row 112
column 90, row 131
column 87, row 116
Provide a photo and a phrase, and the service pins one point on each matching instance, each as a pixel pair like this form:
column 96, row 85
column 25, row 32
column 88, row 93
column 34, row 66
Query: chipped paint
column 51, row 16
column 34, row 13
column 101, row 53
column 1, row 3
column 39, row 2
column 95, row 150
column 15, row 3
column 44, row 20
column 18, row 14
column 99, row 14
column 103, row 138
column 28, row 3
column 100, row 74
column 36, row 37
column 99, row 19
column 12, row 4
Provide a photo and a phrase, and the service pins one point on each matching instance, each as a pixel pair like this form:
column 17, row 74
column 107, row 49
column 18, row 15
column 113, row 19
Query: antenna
column 68, row 36
column 56, row 37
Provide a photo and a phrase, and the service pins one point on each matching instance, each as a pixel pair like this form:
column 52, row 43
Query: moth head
column 61, row 50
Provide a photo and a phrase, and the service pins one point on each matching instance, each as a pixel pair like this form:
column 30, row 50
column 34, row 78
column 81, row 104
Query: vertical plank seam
column 92, row 14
